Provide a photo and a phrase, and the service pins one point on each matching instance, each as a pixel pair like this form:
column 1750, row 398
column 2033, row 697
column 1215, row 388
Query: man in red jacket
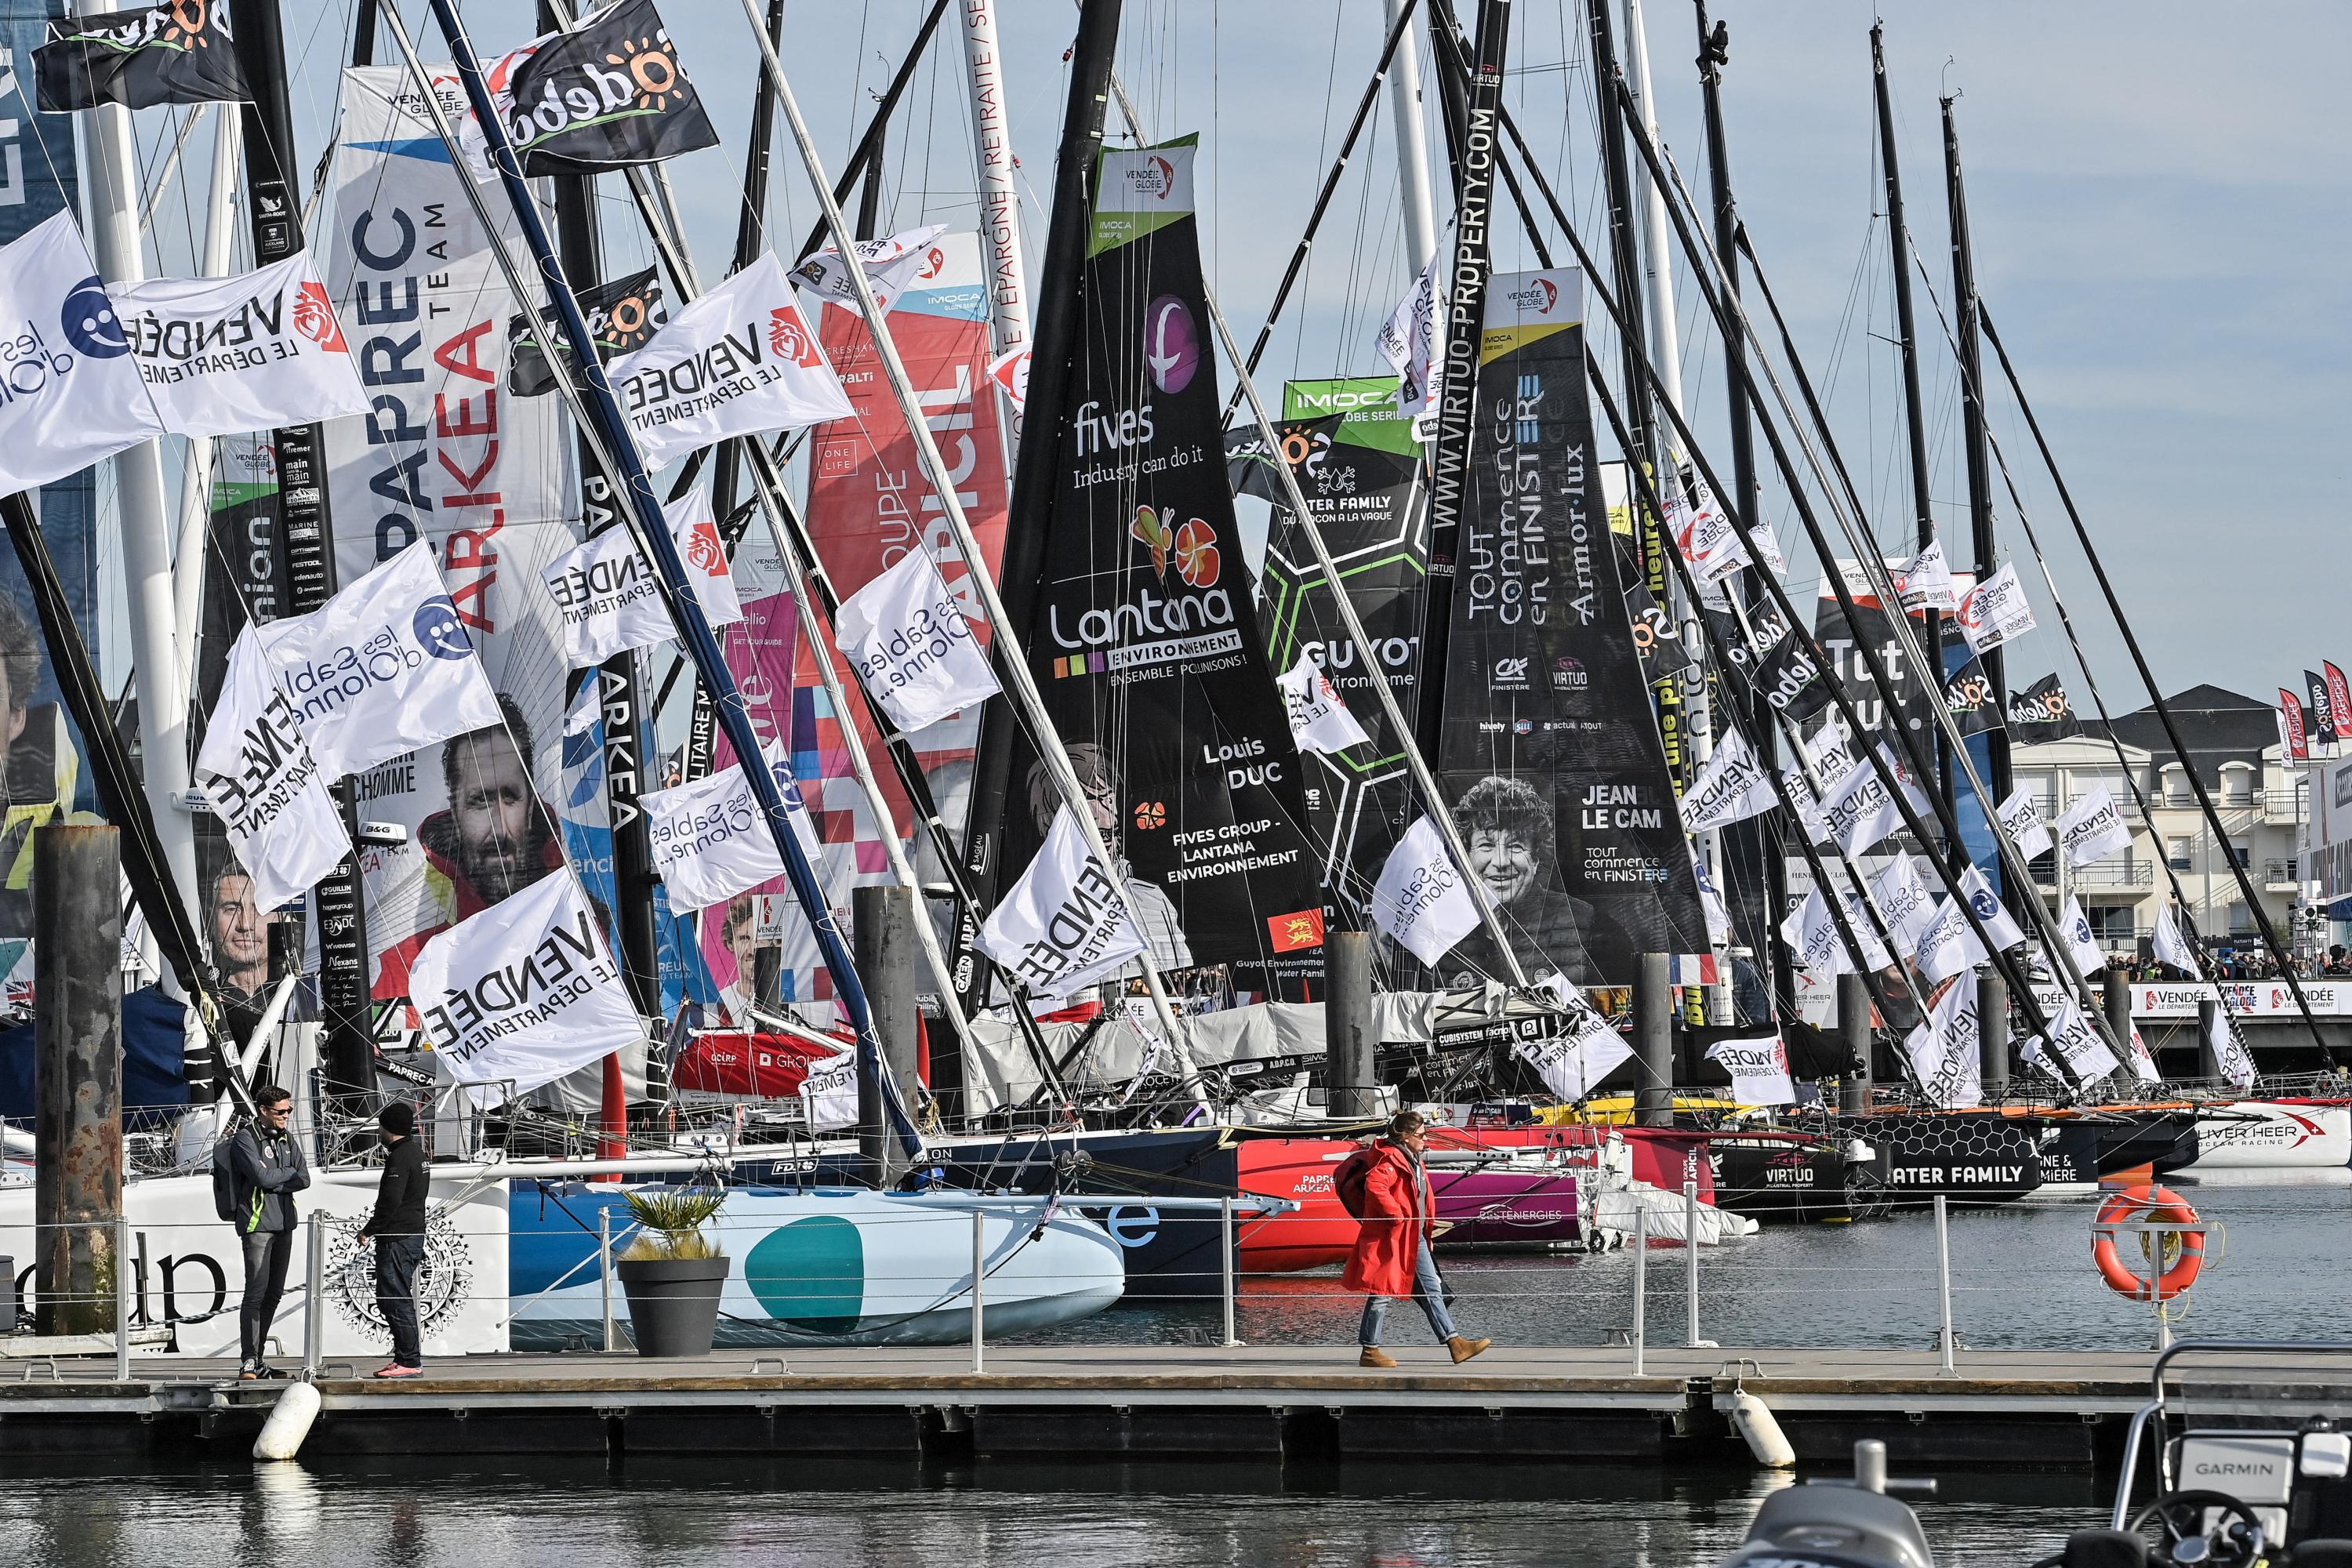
column 1391, row 1256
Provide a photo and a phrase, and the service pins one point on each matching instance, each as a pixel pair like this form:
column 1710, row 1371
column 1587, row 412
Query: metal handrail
column 2159, row 1409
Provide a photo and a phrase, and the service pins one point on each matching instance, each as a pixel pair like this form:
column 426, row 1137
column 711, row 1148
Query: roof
column 2217, row 726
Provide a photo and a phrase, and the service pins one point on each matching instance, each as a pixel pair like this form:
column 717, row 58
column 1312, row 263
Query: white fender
column 1754, row 1419
column 289, row 1424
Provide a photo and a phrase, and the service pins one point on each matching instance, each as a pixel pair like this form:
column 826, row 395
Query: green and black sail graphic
column 1549, row 751
column 1145, row 639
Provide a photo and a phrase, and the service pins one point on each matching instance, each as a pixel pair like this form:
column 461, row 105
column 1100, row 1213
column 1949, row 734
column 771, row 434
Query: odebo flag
column 1758, row 1070
column 912, row 646
column 225, row 355
column 709, row 840
column 381, row 668
column 622, row 314
column 70, row 392
column 741, row 360
column 1732, row 788
column 264, row 785
column 1572, row 1063
column 179, row 53
column 1995, row 611
column 891, row 263
column 1066, row 924
column 1420, row 899
column 522, row 992
column 1944, row 1049
column 2092, row 828
column 607, row 95
column 609, row 599
column 1319, row 721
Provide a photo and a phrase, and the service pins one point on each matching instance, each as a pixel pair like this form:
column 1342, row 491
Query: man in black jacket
column 398, row 1229
column 266, row 1170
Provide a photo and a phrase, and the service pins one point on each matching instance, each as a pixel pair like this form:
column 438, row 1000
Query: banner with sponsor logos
column 1359, row 471
column 1146, row 638
column 1840, row 640
column 2043, row 711
column 1550, row 753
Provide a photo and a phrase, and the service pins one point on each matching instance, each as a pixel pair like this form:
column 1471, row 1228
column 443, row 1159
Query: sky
column 2157, row 204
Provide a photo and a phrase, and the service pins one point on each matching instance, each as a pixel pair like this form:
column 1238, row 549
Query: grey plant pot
column 673, row 1302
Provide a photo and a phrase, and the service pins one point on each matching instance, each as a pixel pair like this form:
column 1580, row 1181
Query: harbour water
column 722, row 1514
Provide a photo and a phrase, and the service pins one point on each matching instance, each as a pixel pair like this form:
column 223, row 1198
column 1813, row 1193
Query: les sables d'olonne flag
column 605, row 96
column 741, row 360
column 224, row 355
column 74, row 395
column 178, row 53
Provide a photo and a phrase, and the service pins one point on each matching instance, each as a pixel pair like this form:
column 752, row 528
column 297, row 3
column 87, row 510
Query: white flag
column 256, row 351
column 1811, row 933
column 1948, row 945
column 709, row 840
column 1705, row 535
column 1995, row 611
column 2078, row 1045
column 1903, row 902
column 1765, row 545
column 1408, row 340
column 264, row 785
column 2143, row 1064
column 1319, row 721
column 1861, row 811
column 609, row 596
column 1925, row 581
column 694, row 529
column 1010, row 370
column 382, row 668
column 1730, row 787
column 1945, row 1050
column 2029, row 827
column 890, row 263
column 2236, row 1062
column 1758, row 1070
column 1572, row 1064
column 829, row 1092
column 2003, row 930
column 71, row 393
column 523, row 992
column 2081, row 945
column 2092, row 828
column 741, row 360
column 1710, row 902
column 1420, row 899
column 1066, row 924
column 911, row 644
column 2168, row 945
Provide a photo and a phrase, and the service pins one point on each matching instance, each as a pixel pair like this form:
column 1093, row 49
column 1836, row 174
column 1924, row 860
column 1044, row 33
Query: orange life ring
column 2164, row 1206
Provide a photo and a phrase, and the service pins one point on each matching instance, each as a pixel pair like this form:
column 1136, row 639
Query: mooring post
column 1225, row 1257
column 1349, row 1046
column 122, row 1299
column 604, row 1274
column 2208, row 1061
column 1853, row 1026
column 1992, row 1031
column 1641, row 1280
column 1944, row 1282
column 314, row 1295
column 2116, row 992
column 883, row 936
column 1654, row 1040
column 1690, row 1264
column 77, row 1076
column 979, row 1276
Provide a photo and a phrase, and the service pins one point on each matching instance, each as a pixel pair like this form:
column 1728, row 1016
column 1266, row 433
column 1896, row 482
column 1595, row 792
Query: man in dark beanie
column 398, row 1229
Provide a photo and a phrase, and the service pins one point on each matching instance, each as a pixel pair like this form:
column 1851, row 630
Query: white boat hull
column 2254, row 1134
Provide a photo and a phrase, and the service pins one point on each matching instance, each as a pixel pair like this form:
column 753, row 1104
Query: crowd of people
column 2233, row 964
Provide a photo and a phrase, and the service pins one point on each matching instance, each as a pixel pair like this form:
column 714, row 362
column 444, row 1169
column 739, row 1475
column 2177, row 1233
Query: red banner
column 2291, row 731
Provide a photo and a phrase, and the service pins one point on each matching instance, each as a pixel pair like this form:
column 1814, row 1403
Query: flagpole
column 148, row 598
column 1006, row 640
column 643, row 509
column 190, row 560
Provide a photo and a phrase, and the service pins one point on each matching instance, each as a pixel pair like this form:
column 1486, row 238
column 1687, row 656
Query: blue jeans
column 396, row 1261
column 1427, row 1289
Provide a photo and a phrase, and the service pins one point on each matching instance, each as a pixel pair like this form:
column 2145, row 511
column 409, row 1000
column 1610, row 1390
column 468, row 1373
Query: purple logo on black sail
column 1172, row 344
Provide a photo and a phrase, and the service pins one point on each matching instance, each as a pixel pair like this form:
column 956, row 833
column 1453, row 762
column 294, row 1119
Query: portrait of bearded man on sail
column 1514, row 843
column 1154, row 911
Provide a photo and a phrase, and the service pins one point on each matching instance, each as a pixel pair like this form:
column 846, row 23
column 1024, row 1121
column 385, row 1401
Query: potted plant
column 673, row 1272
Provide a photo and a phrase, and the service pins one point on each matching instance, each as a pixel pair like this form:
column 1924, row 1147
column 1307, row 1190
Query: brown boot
column 1464, row 1349
column 1375, row 1356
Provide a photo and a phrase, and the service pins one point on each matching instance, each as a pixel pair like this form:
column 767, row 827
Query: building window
column 2042, row 787
column 2240, row 923
column 2241, row 852
column 2237, row 784
column 2111, row 924
column 2176, row 852
column 2175, row 786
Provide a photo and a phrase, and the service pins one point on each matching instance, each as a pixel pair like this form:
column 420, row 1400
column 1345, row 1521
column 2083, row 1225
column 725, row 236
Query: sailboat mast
column 188, row 562
column 1000, row 200
column 112, row 167
column 1973, row 437
column 1412, row 145
column 1052, row 346
column 1898, row 235
column 1753, row 846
